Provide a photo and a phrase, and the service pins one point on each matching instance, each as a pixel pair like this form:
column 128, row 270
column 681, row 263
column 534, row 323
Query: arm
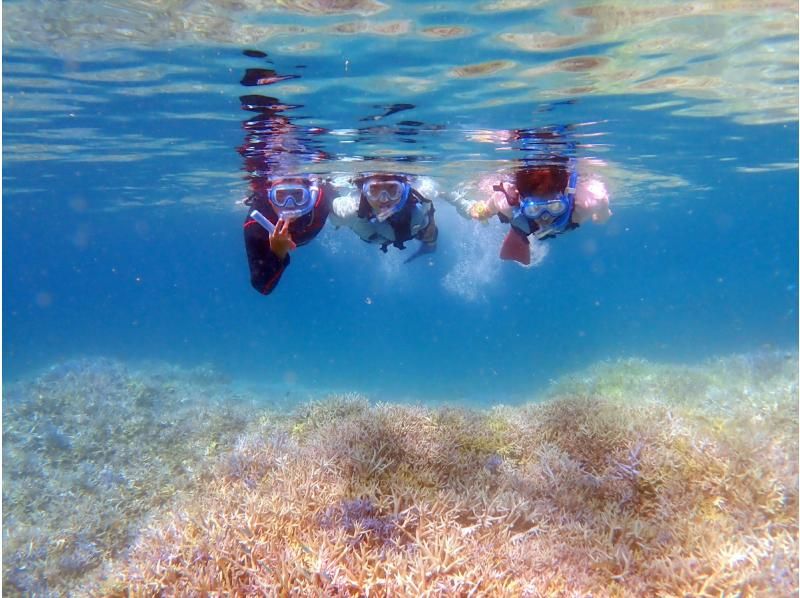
column 494, row 192
column 481, row 200
column 266, row 267
column 428, row 235
column 591, row 201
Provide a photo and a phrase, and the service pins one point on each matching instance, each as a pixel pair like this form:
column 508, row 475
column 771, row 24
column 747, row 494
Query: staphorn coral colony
column 633, row 479
column 90, row 449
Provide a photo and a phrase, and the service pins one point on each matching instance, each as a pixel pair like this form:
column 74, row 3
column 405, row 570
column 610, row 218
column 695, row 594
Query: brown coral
column 585, row 493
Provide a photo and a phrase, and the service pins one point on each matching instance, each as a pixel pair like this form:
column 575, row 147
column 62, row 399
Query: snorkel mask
column 292, row 200
column 544, row 210
column 385, row 196
column 551, row 215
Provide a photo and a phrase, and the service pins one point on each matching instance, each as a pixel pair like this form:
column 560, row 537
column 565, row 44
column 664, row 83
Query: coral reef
column 632, row 480
column 90, row 448
column 628, row 479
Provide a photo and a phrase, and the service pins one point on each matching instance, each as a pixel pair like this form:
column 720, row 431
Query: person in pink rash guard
column 539, row 201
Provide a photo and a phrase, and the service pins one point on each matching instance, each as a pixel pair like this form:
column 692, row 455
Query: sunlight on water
column 495, row 60
column 719, row 51
column 435, row 419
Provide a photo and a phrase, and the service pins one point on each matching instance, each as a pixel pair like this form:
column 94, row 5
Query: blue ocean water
column 121, row 188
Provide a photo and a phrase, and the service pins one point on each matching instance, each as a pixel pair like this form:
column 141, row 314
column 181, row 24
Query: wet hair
column 379, row 176
column 542, row 180
column 292, row 180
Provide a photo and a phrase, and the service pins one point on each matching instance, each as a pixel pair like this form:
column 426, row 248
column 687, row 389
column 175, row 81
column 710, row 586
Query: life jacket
column 400, row 223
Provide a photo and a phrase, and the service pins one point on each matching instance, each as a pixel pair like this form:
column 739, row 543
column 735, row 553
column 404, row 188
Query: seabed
column 630, row 478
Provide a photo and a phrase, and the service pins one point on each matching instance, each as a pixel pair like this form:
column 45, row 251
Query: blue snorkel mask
column 550, row 216
column 292, row 200
column 546, row 210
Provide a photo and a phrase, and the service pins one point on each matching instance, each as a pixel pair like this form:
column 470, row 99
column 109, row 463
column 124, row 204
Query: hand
column 498, row 193
column 280, row 241
column 480, row 211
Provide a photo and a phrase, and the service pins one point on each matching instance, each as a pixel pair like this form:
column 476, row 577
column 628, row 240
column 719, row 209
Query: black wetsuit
column 265, row 267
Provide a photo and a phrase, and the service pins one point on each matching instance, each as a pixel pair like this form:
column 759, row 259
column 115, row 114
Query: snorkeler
column 546, row 196
column 290, row 212
column 388, row 210
column 542, row 202
column 285, row 211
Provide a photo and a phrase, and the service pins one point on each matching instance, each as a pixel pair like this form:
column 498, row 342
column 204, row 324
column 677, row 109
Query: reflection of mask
column 292, row 200
column 385, row 197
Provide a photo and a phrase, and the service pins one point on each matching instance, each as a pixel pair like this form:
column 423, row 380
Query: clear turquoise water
column 122, row 231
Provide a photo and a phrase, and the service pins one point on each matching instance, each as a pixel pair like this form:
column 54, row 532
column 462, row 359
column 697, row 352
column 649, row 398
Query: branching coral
column 615, row 485
column 595, row 492
column 90, row 448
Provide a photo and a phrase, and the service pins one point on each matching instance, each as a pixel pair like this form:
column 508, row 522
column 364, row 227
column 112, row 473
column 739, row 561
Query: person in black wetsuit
column 285, row 211
column 290, row 212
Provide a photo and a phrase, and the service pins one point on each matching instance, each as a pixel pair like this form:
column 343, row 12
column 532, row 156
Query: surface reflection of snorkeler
column 543, row 198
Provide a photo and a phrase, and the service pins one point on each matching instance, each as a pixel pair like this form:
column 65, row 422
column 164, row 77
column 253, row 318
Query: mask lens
column 556, row 207
column 534, row 208
column 384, row 192
column 290, row 196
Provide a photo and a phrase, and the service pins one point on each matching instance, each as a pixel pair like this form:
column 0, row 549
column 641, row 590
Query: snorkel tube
column 263, row 221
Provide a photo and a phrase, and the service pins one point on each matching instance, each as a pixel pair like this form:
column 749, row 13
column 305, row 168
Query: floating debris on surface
column 631, row 478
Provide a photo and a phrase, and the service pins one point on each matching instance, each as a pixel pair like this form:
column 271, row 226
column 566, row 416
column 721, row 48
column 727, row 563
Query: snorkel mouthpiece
column 262, row 220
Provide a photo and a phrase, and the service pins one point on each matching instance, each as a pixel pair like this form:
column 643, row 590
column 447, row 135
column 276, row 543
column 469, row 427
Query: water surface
column 122, row 186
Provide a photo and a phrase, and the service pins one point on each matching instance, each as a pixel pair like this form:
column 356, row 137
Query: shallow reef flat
column 91, row 448
column 630, row 478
